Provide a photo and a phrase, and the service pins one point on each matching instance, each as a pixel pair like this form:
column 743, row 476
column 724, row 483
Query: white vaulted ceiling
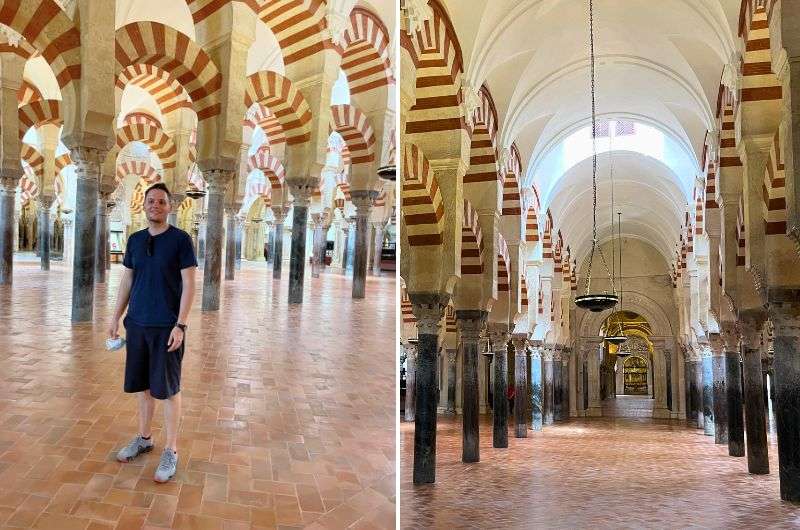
column 658, row 65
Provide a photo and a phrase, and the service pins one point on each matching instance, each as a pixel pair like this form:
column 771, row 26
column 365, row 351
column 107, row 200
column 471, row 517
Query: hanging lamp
column 618, row 337
column 595, row 302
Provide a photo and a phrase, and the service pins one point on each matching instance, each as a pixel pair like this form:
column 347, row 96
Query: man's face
column 157, row 206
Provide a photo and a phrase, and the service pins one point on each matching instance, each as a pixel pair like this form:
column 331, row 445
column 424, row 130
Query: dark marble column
column 668, row 362
column 238, row 242
column 537, row 390
column 217, row 180
column 301, row 190
column 719, row 389
column 566, row 355
column 691, row 411
column 277, row 251
column 377, row 250
column 101, row 238
column 697, row 390
column 8, row 191
column 317, row 257
column 708, row 392
column 733, row 377
column 520, row 343
column 784, row 311
column 451, row 357
column 547, row 387
column 45, row 203
column 557, row 397
column 362, row 200
column 428, row 308
column 88, row 161
column 469, row 324
column 500, row 335
column 345, row 243
column 230, row 243
column 751, row 323
column 411, row 379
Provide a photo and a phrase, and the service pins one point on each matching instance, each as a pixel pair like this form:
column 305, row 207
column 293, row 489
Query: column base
column 594, row 412
column 662, row 413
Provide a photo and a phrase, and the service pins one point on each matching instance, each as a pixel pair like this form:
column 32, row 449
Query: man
column 158, row 280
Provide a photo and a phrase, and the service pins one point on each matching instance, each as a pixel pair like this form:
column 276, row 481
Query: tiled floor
column 288, row 421
column 615, row 473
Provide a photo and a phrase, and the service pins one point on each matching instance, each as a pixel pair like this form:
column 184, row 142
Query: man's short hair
column 158, row 186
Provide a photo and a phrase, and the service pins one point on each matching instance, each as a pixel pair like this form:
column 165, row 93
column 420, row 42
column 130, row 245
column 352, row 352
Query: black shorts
column 148, row 364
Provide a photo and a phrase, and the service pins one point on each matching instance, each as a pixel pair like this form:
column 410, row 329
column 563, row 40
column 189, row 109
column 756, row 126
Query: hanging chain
column 594, row 146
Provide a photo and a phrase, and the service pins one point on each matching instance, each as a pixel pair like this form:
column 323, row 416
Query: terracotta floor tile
column 599, row 473
column 291, row 402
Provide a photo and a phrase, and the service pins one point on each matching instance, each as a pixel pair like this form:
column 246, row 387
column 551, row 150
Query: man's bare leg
column 172, row 420
column 147, row 406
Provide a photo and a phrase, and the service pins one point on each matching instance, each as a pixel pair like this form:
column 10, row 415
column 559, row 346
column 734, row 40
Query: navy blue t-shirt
column 157, row 284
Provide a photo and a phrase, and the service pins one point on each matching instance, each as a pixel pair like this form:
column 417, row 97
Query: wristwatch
column 181, row 327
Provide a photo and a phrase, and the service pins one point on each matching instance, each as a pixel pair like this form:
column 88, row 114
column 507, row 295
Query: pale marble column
column 377, row 249
column 45, row 204
column 410, row 348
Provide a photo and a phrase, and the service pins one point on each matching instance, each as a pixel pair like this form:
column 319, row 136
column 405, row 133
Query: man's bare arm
column 123, row 296
column 187, row 295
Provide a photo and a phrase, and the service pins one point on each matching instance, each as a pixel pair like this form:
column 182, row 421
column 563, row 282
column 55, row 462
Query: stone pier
column 751, row 323
column 362, row 199
column 520, row 386
column 217, row 180
column 428, row 308
column 469, row 324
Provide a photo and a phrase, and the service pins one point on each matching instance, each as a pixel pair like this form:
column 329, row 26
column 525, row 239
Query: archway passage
column 634, row 375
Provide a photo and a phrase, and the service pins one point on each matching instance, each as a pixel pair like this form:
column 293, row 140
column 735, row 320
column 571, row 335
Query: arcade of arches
column 269, row 121
column 697, row 135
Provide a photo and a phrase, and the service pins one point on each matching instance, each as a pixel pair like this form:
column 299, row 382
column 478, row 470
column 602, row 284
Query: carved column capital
column 730, row 335
column 548, row 353
column 428, row 308
column 784, row 311
column 363, row 201
column 751, row 324
column 410, row 349
column 302, row 189
column 717, row 344
column 452, row 355
column 520, row 343
column 499, row 335
column 9, row 180
column 470, row 323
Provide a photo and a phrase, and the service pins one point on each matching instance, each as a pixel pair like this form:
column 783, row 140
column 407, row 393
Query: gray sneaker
column 137, row 446
column 166, row 466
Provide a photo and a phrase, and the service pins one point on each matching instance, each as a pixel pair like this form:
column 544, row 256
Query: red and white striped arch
column 366, row 59
column 503, row 265
column 523, row 300
column 483, row 165
column 28, row 92
column 774, row 190
column 62, row 161
column 48, row 29
column 356, row 131
column 512, row 202
column 741, row 235
column 436, row 54
column 547, row 237
column 471, row 242
column 271, row 167
column 164, row 47
column 141, row 169
column 167, row 92
column 259, row 116
column 421, row 200
column 343, row 184
column 531, row 226
column 142, row 130
column 38, row 113
column 138, row 117
column 284, row 101
column 298, row 25
column 34, row 160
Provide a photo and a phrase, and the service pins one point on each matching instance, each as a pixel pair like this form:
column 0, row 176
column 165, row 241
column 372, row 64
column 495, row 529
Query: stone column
column 452, row 357
column 362, row 199
column 8, row 191
column 428, row 308
column 719, row 389
column 345, row 244
column 230, row 243
column 88, row 161
column 500, row 335
column 238, row 242
column 101, row 238
column 318, row 220
column 302, row 191
column 277, row 251
column 557, row 384
column 592, row 379
column 520, row 386
column 45, row 203
column 469, row 324
column 547, row 387
column 784, row 311
column 691, row 410
column 217, row 180
column 377, row 251
column 733, row 384
column 537, row 392
column 750, row 324
column 411, row 379
column 708, row 390
column 565, row 389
